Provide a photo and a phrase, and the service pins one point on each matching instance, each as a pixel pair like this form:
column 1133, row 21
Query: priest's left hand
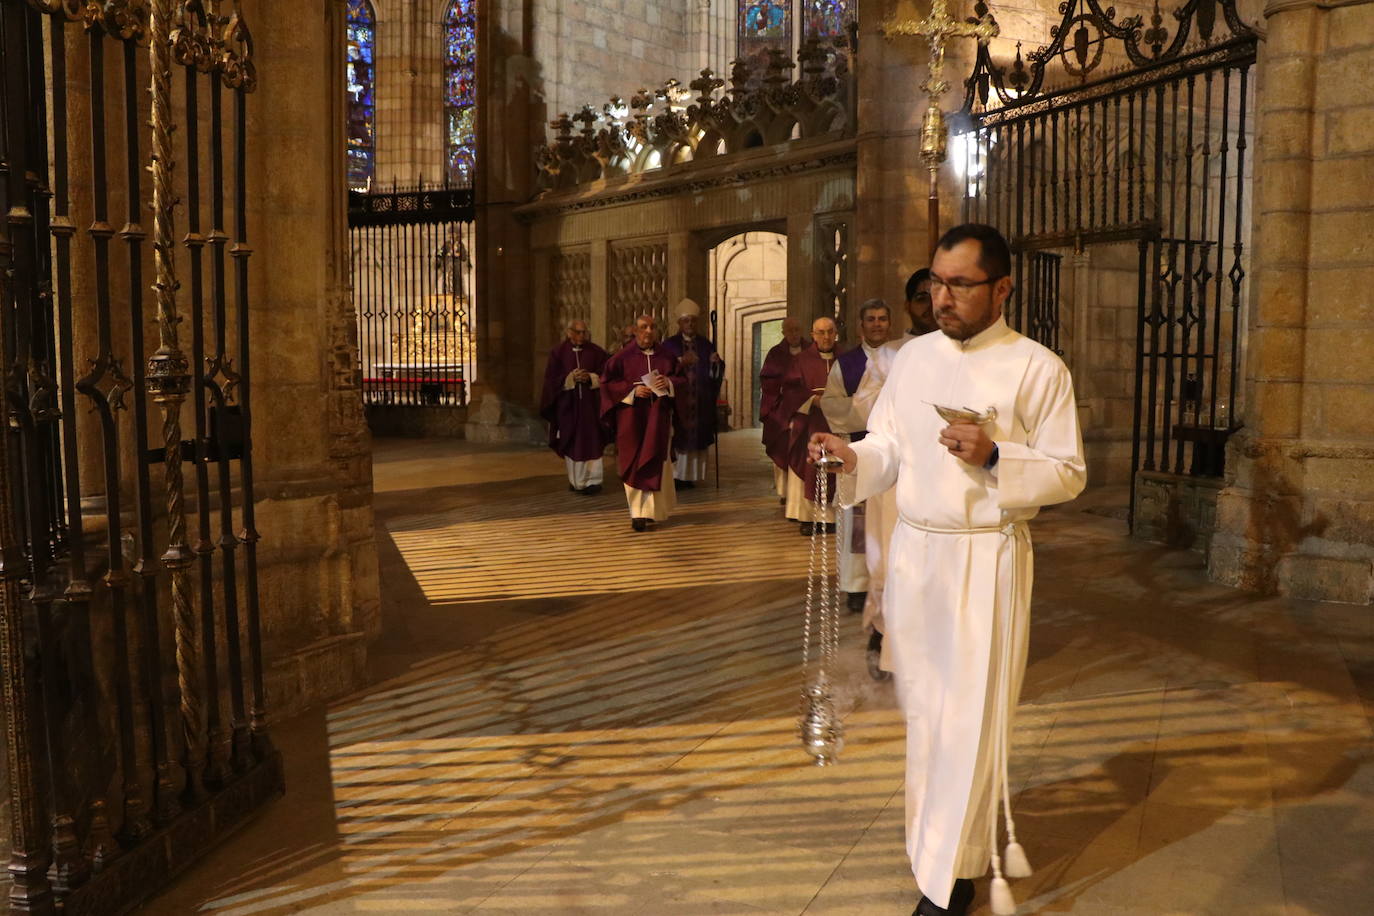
column 967, row 442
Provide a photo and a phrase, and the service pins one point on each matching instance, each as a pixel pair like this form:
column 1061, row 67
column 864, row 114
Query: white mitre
column 688, row 307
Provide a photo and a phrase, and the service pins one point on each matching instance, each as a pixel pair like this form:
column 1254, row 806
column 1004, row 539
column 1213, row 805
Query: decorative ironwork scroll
column 1152, row 155
column 116, row 774
column 667, row 126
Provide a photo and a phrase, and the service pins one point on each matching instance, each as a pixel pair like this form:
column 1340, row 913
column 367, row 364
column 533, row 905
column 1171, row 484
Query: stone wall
column 1297, row 515
column 586, row 51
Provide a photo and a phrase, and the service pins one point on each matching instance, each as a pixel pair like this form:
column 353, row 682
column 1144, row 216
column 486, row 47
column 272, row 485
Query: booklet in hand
column 654, row 381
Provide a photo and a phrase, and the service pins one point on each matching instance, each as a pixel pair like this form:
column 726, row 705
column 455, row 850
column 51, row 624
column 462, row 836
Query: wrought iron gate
column 1152, row 155
column 413, row 279
column 135, row 717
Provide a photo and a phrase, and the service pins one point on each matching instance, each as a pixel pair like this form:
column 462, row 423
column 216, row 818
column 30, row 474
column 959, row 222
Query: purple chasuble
column 695, row 408
column 775, row 366
column 574, row 415
column 644, row 429
column 804, row 380
column 852, row 366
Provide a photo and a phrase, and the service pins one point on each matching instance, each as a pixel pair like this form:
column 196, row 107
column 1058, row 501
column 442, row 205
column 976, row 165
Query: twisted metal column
column 169, row 381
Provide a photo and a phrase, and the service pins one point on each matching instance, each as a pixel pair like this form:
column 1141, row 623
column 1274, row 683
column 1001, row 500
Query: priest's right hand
column 642, row 391
column 830, row 444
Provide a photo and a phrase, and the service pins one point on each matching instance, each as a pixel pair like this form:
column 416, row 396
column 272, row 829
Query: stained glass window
column 460, row 89
column 362, row 102
column 764, row 24
column 825, row 19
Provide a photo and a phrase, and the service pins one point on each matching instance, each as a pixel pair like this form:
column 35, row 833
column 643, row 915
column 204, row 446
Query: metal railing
column 414, row 271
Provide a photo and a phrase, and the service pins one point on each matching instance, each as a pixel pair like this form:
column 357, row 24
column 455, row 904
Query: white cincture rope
column 1017, row 865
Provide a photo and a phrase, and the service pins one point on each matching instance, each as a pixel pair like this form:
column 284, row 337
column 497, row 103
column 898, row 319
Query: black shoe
column 782, row 500
column 591, row 490
column 856, row 601
column 684, row 484
column 573, row 489
column 639, row 524
column 806, row 529
column 873, row 656
column 959, row 900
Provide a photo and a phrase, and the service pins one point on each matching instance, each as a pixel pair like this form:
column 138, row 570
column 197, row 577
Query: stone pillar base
column 323, row 670
column 1297, row 520
column 491, row 419
column 1176, row 510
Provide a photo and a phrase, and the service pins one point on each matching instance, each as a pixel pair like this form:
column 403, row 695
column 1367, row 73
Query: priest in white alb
column 957, row 602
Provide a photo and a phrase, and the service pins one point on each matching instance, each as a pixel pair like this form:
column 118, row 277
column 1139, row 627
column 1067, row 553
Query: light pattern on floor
column 1181, row 749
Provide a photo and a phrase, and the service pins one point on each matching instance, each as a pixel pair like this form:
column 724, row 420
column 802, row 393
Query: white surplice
column 957, row 599
column 880, row 512
column 845, row 420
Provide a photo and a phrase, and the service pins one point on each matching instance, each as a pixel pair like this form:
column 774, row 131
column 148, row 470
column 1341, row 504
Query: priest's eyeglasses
column 960, row 290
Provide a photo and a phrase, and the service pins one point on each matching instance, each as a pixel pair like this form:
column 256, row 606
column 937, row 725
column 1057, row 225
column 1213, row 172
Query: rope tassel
column 1003, row 903
column 1018, row 866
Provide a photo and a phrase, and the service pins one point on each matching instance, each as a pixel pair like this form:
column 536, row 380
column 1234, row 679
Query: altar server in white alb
column 957, row 602
column 875, row 321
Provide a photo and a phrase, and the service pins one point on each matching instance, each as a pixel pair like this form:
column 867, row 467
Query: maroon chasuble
column 809, row 372
column 775, row 366
column 643, row 430
column 574, row 415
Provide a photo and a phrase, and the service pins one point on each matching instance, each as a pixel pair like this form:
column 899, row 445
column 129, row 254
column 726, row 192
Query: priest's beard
column 956, row 328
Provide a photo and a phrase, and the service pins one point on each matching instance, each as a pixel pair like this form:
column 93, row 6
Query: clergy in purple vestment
column 694, row 427
column 637, row 394
column 799, row 401
column 775, row 366
column 571, row 403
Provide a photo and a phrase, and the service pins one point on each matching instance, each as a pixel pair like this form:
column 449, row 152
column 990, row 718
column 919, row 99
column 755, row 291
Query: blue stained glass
column 361, row 87
column 762, row 26
column 460, row 89
column 826, row 19
column 767, row 19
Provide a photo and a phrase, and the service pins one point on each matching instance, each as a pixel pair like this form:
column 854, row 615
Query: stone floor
column 569, row 718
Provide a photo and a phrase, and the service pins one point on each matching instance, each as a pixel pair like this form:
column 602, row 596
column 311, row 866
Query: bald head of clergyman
column 577, row 332
column 824, row 333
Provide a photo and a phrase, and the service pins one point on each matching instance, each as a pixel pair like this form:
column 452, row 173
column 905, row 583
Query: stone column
column 503, row 394
column 1297, row 515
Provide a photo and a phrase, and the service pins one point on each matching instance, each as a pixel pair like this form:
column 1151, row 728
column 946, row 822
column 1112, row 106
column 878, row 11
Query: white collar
column 990, row 334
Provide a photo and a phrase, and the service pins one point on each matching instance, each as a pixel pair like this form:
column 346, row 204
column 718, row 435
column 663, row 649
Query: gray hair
column 872, row 305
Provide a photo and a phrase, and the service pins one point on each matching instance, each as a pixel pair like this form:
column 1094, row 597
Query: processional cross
column 937, row 29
